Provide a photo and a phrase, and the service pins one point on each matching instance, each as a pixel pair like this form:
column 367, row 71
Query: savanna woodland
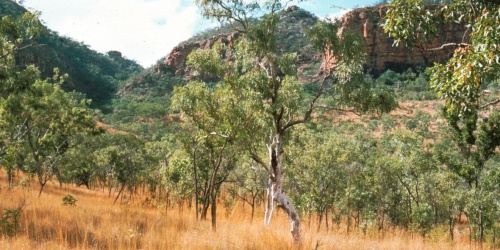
column 271, row 132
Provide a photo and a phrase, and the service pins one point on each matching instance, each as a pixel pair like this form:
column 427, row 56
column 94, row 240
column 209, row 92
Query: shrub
column 9, row 222
column 69, row 200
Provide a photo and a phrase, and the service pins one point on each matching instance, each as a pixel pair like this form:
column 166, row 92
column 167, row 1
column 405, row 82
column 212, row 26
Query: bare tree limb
column 463, row 45
column 489, row 104
column 259, row 160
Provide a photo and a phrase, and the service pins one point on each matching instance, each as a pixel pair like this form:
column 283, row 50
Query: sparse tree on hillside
column 263, row 96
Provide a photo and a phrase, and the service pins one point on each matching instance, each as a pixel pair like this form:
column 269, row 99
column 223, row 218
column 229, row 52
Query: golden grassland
column 95, row 223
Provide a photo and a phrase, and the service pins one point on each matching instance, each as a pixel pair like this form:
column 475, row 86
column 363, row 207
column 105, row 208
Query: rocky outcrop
column 379, row 48
column 381, row 54
column 176, row 60
column 294, row 23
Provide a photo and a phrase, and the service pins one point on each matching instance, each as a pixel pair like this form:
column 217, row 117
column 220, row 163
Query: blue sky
column 143, row 30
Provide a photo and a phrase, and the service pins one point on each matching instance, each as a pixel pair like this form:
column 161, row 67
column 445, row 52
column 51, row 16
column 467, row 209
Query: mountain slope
column 294, row 23
column 92, row 73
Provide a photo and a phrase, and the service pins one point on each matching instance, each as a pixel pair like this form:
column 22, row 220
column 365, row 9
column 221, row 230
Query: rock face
column 177, row 58
column 382, row 55
column 367, row 22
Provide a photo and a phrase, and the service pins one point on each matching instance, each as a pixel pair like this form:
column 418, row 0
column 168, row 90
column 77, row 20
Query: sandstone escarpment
column 381, row 54
column 379, row 47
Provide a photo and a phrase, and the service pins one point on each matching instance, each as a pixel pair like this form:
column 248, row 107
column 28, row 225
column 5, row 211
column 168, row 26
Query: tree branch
column 490, row 104
column 463, row 45
column 309, row 110
column 264, row 68
column 17, row 49
column 259, row 160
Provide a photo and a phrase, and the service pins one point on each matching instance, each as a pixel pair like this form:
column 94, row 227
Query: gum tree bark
column 275, row 193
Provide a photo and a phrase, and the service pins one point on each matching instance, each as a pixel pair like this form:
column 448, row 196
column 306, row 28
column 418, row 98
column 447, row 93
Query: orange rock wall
column 383, row 55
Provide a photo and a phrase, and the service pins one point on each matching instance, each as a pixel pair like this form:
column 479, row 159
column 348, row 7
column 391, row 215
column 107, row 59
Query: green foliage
column 346, row 48
column 364, row 98
column 143, row 103
column 69, row 200
column 460, row 82
column 94, row 74
column 76, row 165
column 38, row 119
column 408, row 85
column 247, row 95
column 410, row 22
column 474, row 64
column 420, row 122
column 325, row 169
column 9, row 222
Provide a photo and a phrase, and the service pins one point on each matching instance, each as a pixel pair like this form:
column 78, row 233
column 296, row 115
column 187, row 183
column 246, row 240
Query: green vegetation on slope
column 91, row 73
column 415, row 169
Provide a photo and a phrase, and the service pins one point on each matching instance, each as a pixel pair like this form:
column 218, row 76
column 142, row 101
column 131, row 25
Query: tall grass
column 95, row 223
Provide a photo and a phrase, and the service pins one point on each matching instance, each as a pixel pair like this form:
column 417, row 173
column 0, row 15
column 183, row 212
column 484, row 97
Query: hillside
column 185, row 159
column 92, row 73
column 367, row 22
column 294, row 23
column 142, row 105
column 145, row 98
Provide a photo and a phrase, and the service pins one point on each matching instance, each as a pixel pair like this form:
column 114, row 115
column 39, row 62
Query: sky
column 144, row 30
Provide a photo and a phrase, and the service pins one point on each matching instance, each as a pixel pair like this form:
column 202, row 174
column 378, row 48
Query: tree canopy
column 460, row 82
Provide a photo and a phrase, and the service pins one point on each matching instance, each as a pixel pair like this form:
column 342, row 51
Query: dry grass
column 95, row 223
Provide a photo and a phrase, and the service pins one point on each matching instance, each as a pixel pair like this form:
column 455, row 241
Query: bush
column 9, row 223
column 69, row 200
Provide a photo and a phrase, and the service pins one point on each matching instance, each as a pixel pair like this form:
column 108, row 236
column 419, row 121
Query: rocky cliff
column 367, row 22
column 379, row 47
column 294, row 23
column 176, row 60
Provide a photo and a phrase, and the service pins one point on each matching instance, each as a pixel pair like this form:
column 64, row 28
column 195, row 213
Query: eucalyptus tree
column 160, row 151
column 222, row 160
column 14, row 34
column 38, row 119
column 125, row 159
column 412, row 169
column 178, row 180
column 474, row 166
column 321, row 161
column 214, row 134
column 267, row 99
column 249, row 183
column 46, row 119
column 77, row 166
column 460, row 81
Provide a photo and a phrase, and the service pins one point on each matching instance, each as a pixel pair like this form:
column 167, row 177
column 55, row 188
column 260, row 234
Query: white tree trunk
column 269, row 204
column 275, row 193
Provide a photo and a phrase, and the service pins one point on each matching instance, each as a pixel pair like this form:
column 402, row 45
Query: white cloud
column 143, row 30
column 338, row 14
